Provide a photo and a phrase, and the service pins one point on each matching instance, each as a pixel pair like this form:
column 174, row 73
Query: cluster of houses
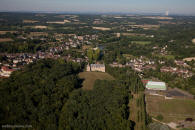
column 141, row 64
column 15, row 62
column 73, row 41
column 6, row 71
column 138, row 64
column 181, row 69
column 98, row 21
column 68, row 40
column 181, row 72
column 18, row 60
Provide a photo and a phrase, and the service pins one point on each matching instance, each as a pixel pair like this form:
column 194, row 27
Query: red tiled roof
column 5, row 68
column 145, row 81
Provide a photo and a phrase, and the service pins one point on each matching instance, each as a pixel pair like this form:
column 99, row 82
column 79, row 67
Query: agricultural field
column 56, row 22
column 35, row 27
column 159, row 17
column 142, row 42
column 36, row 34
column 4, row 32
column 102, row 28
column 189, row 59
column 168, row 57
column 6, row 40
column 170, row 109
column 40, row 27
column 59, row 22
column 66, row 21
column 128, row 56
column 91, row 77
column 132, row 34
column 30, row 21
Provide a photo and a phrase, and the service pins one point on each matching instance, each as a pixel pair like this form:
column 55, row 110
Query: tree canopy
column 36, row 94
column 104, row 107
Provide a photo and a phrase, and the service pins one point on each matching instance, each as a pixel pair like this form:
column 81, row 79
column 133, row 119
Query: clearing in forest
column 91, row 77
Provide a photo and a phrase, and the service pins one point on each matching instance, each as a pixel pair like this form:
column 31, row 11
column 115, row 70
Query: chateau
column 96, row 67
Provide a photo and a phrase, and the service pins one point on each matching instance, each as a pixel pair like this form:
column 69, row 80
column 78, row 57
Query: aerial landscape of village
column 104, row 71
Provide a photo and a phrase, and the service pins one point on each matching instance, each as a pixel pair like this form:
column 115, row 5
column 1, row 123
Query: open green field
column 192, row 91
column 128, row 56
column 142, row 42
column 91, row 77
column 171, row 109
column 168, row 57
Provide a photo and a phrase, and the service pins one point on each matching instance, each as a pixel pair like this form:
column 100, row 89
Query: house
column 6, row 71
column 180, row 72
column 96, row 67
column 80, row 38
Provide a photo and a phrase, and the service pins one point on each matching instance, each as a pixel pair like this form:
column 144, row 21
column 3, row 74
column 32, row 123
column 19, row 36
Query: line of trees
column 127, row 77
column 142, row 115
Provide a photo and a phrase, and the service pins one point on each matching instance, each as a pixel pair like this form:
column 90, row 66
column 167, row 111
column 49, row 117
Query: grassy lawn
column 172, row 110
column 168, row 57
column 192, row 90
column 91, row 77
column 142, row 42
column 128, row 56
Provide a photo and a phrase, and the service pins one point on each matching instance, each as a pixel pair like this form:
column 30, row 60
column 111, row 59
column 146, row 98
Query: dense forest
column 36, row 94
column 129, row 79
column 47, row 94
column 126, row 77
column 105, row 107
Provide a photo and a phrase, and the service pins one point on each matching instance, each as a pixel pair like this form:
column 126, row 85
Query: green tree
column 90, row 55
column 96, row 54
column 159, row 117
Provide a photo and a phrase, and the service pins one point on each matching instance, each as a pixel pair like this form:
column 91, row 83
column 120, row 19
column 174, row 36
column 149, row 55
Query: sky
column 102, row 6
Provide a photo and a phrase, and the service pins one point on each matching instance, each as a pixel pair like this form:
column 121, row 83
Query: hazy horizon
column 101, row 6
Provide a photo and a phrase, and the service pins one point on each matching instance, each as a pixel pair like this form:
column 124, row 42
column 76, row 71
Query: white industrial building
column 151, row 85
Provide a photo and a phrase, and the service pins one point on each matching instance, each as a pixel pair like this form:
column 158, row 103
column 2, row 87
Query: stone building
column 96, row 67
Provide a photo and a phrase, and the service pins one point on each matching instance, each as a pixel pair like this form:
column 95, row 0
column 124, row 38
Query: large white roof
column 156, row 83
